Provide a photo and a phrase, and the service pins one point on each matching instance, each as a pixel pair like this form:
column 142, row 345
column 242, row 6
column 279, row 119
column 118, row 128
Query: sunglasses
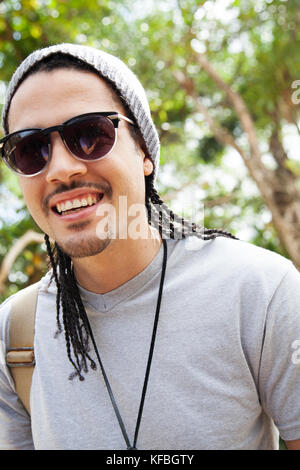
column 89, row 137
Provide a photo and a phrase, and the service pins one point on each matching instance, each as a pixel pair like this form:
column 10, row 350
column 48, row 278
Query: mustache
column 101, row 187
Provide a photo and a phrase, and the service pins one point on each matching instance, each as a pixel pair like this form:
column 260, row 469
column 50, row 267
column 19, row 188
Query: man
column 142, row 340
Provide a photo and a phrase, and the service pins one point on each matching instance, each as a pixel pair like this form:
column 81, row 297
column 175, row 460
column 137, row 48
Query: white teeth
column 68, row 205
column 76, row 203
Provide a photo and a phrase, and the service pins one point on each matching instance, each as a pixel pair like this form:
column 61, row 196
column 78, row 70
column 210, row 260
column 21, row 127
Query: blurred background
column 223, row 82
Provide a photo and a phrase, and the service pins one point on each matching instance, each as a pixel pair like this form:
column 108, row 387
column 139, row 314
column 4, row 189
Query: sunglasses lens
column 25, row 153
column 88, row 138
column 91, row 137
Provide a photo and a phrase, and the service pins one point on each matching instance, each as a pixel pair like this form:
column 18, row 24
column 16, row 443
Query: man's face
column 47, row 99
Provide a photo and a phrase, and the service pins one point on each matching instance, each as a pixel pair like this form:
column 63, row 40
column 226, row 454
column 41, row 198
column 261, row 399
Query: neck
column 119, row 262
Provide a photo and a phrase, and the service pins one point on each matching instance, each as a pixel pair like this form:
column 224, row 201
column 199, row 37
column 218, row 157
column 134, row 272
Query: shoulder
column 253, row 267
column 240, row 254
column 42, row 286
column 235, row 254
column 5, row 309
column 228, row 261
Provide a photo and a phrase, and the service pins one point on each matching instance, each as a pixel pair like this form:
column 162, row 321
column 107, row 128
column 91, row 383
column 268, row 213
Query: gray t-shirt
column 226, row 366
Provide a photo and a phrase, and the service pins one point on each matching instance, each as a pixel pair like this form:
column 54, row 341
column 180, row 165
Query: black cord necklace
column 111, row 395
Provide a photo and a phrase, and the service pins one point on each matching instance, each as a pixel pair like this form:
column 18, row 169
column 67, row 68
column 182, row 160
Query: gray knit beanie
column 111, row 68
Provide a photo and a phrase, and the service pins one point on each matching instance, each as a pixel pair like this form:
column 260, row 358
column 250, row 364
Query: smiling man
column 141, row 340
column 54, row 97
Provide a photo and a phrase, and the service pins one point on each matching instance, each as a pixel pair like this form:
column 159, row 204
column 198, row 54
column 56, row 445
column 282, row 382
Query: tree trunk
column 278, row 188
column 29, row 237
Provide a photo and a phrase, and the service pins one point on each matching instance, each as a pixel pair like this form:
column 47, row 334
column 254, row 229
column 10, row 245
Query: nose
column 63, row 165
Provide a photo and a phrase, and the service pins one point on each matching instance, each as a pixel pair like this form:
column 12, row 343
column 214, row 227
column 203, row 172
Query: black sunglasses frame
column 113, row 116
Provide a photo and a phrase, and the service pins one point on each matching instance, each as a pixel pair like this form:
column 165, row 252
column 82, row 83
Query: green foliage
column 254, row 46
column 31, row 264
column 31, row 24
column 210, row 148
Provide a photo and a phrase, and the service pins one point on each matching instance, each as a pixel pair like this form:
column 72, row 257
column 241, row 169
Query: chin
column 83, row 248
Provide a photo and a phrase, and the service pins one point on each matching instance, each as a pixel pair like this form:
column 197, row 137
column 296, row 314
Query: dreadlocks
column 69, row 304
column 70, row 310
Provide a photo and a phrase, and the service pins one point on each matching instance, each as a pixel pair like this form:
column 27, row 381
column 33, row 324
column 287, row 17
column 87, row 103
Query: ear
column 148, row 166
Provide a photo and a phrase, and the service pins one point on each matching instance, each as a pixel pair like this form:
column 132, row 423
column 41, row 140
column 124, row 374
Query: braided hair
column 69, row 305
column 70, row 309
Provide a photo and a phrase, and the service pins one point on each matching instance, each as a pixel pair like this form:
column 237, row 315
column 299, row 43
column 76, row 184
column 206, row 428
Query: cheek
column 31, row 191
column 133, row 183
column 125, row 172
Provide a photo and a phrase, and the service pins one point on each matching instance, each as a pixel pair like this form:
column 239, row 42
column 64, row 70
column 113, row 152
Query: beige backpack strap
column 20, row 355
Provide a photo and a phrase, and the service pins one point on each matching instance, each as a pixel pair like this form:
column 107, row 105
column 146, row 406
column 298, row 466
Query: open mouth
column 77, row 204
